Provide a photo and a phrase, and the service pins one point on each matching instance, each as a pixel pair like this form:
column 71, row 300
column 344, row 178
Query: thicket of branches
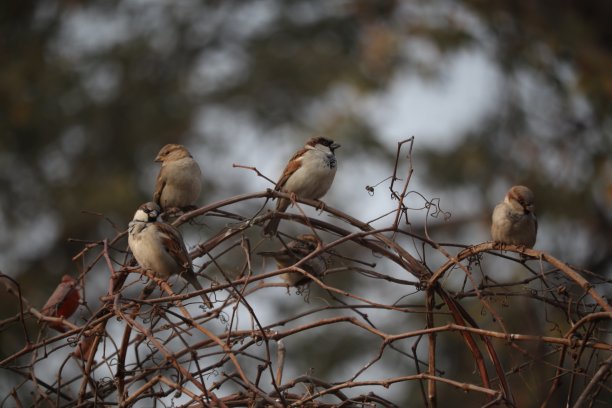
column 421, row 307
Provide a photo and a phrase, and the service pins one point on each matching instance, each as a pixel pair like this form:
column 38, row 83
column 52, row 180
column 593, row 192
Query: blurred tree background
column 89, row 92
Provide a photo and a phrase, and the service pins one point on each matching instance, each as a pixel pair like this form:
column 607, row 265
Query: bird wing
column 64, row 300
column 291, row 168
column 174, row 244
column 159, row 186
column 172, row 241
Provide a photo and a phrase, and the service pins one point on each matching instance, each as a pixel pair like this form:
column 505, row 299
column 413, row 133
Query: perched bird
column 293, row 252
column 514, row 220
column 179, row 181
column 159, row 247
column 309, row 174
column 63, row 302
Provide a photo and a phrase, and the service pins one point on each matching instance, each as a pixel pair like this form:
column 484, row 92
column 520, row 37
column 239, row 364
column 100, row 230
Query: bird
column 159, row 247
column 179, row 181
column 293, row 252
column 309, row 174
column 514, row 220
column 63, row 302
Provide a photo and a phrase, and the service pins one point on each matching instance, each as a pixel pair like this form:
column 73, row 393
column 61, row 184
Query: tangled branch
column 122, row 349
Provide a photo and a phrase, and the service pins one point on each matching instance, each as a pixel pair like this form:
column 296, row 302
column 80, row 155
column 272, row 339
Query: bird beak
column 530, row 208
column 334, row 146
column 158, row 159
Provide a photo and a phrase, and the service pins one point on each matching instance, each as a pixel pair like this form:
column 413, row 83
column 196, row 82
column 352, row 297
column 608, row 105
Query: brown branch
column 389, row 381
column 203, row 354
column 259, row 174
column 432, row 401
column 589, row 393
column 488, row 246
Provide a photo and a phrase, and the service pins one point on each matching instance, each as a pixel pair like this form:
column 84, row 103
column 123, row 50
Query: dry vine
column 123, row 350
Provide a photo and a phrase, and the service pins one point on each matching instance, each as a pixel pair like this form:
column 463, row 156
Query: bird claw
column 321, row 206
column 189, row 208
column 149, row 288
column 521, row 249
column 171, row 213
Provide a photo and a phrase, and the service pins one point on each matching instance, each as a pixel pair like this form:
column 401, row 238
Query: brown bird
column 514, row 220
column 159, row 247
column 179, row 181
column 293, row 253
column 309, row 174
column 63, row 302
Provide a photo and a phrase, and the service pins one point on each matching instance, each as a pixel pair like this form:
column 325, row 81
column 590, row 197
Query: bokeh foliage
column 90, row 90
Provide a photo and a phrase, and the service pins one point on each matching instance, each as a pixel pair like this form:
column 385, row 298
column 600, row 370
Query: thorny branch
column 379, row 298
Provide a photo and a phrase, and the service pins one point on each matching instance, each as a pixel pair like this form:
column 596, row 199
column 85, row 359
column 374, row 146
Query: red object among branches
column 63, row 302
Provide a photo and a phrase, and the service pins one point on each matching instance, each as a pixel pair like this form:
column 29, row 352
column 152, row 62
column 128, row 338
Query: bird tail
column 272, row 225
column 190, row 277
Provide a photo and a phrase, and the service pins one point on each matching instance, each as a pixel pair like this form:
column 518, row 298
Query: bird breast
column 183, row 184
column 315, row 175
column 150, row 253
column 513, row 227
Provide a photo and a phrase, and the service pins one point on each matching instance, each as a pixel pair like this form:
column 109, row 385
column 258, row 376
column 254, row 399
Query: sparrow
column 159, row 247
column 309, row 174
column 514, row 220
column 179, row 181
column 63, row 302
column 293, row 252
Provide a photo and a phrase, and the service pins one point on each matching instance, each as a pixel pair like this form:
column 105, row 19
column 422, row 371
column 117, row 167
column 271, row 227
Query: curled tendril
column 422, row 285
column 505, row 302
column 483, row 311
column 393, row 179
column 223, row 318
column 434, row 204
